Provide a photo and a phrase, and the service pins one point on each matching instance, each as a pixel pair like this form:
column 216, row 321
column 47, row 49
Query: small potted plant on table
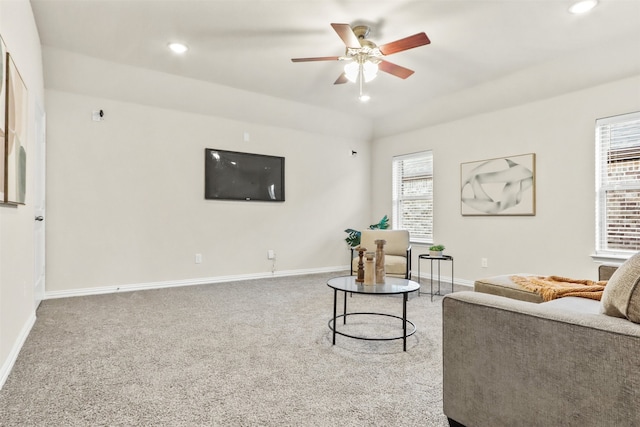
column 436, row 250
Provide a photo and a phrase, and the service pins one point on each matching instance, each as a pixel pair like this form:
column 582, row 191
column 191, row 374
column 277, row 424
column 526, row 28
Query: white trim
column 619, row 118
column 444, row 280
column 462, row 282
column 17, row 346
column 614, row 259
column 185, row 282
column 218, row 279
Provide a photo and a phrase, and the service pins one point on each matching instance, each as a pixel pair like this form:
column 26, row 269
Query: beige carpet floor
column 246, row 353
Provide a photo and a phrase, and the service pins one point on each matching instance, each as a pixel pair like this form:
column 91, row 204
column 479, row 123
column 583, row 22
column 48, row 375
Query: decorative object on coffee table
column 360, row 277
column 380, row 273
column 369, row 269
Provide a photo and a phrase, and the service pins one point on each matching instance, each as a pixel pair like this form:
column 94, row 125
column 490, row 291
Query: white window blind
column 618, row 185
column 413, row 195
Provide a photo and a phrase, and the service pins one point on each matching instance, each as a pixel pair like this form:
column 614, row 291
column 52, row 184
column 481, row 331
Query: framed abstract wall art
column 3, row 105
column 499, row 187
column 15, row 149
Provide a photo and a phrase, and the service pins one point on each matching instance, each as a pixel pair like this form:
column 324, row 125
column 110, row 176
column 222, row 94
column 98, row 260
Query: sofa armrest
column 514, row 363
column 606, row 271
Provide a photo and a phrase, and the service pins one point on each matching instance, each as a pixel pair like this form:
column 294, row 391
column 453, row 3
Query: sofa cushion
column 505, row 287
column 396, row 265
column 621, row 296
column 576, row 304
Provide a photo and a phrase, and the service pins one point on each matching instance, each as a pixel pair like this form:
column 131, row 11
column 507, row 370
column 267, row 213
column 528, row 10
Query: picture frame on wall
column 3, row 106
column 504, row 186
column 15, row 148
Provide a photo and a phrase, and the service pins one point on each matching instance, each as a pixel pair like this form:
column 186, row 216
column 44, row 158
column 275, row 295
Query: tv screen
column 231, row 175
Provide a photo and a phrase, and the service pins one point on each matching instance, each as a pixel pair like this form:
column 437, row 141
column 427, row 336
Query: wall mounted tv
column 231, row 175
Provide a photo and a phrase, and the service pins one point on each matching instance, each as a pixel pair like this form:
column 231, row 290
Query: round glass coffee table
column 392, row 286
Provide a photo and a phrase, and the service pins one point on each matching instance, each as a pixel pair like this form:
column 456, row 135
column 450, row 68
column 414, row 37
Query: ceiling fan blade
column 410, row 42
column 341, row 80
column 347, row 35
column 394, row 69
column 319, row 58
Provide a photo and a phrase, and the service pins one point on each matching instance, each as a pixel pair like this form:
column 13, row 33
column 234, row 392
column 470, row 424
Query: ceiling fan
column 364, row 58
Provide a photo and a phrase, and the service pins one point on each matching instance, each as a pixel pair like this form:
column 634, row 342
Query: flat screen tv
column 231, row 175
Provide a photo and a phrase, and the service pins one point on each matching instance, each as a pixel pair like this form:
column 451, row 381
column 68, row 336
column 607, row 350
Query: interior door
column 39, row 202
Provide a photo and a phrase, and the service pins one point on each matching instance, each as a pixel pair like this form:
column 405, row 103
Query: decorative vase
column 360, row 276
column 380, row 273
column 435, row 253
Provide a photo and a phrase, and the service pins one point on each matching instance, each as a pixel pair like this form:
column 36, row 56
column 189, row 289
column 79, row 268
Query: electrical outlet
column 271, row 254
column 198, row 258
column 484, row 263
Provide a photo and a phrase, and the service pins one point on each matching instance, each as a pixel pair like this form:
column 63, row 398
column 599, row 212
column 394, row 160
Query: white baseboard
column 185, row 282
column 445, row 280
column 462, row 282
column 15, row 350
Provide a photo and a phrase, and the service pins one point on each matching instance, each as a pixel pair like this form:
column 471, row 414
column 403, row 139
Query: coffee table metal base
column 344, row 334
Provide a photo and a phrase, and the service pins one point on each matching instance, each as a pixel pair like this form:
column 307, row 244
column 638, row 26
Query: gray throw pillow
column 621, row 296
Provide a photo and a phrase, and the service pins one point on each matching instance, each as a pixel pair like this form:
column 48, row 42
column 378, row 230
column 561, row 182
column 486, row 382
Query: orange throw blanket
column 552, row 287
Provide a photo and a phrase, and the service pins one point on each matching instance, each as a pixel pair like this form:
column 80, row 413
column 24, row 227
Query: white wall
column 559, row 239
column 17, row 312
column 126, row 204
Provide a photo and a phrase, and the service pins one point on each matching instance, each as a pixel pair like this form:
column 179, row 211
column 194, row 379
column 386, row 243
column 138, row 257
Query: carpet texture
column 247, row 353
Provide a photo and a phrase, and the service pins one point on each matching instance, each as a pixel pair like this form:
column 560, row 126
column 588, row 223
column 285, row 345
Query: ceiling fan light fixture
column 369, row 71
column 351, row 71
column 364, row 98
column 178, row 47
column 583, row 6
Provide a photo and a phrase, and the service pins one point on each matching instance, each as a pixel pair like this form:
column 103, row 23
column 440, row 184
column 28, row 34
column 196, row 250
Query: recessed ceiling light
column 178, row 47
column 583, row 6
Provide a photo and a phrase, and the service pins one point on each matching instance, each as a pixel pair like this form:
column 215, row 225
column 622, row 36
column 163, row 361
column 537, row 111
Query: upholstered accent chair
column 397, row 251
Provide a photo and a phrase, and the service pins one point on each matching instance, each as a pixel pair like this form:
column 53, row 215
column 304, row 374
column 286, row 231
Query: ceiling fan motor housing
column 361, row 31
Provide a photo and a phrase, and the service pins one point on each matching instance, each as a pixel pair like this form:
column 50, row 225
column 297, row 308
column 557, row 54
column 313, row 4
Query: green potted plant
column 353, row 236
column 436, row 250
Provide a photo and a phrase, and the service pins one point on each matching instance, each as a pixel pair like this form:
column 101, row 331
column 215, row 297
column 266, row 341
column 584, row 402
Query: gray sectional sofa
column 509, row 362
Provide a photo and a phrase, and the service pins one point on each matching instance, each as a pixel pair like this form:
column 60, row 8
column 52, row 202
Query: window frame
column 604, row 156
column 397, row 199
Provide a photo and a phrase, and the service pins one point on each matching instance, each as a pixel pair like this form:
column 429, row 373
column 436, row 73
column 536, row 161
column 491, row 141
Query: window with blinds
column 618, row 185
column 413, row 195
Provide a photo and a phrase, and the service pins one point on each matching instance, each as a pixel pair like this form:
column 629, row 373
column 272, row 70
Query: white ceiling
column 248, row 44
